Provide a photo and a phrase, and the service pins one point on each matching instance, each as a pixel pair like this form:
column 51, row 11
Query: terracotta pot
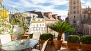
column 24, row 37
column 49, row 43
column 86, row 46
column 75, row 46
column 57, row 44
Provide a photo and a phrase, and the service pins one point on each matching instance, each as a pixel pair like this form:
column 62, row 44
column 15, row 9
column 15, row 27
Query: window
column 74, row 16
column 40, row 25
column 78, row 26
column 74, row 7
column 84, row 17
column 37, row 25
column 74, row 3
column 33, row 16
column 74, row 12
column 74, row 21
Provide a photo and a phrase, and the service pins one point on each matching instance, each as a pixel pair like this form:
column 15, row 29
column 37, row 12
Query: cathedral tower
column 75, row 13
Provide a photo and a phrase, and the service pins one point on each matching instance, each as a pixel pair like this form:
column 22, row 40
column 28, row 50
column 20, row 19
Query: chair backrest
column 36, row 36
column 44, row 45
column 4, row 38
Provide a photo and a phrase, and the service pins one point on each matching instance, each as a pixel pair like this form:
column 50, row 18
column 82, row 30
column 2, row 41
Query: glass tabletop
column 19, row 44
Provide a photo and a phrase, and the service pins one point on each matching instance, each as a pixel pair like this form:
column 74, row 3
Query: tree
column 19, row 19
column 61, row 27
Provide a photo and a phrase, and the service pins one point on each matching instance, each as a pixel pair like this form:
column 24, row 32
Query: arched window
column 74, row 16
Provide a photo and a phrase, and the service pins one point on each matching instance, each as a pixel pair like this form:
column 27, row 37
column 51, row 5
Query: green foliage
column 73, row 39
column 61, row 27
column 20, row 34
column 86, row 39
column 31, row 35
column 18, row 19
column 14, row 21
column 46, row 36
column 5, row 26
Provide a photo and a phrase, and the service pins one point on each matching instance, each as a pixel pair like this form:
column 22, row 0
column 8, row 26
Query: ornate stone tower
column 74, row 14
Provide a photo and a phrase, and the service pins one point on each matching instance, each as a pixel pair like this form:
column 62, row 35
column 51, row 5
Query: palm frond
column 61, row 27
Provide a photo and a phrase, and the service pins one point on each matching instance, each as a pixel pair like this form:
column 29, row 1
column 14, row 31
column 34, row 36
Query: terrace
column 23, row 42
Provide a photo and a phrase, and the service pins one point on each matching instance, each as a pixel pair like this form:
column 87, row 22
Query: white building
column 37, row 24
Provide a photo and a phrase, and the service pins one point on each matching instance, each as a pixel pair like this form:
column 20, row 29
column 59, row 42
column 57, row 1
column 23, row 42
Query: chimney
column 59, row 18
column 55, row 16
column 48, row 14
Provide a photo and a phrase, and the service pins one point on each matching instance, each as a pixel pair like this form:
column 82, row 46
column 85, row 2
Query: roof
column 86, row 10
column 38, row 13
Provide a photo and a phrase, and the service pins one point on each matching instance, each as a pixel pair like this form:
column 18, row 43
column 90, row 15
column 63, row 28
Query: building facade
column 40, row 22
column 37, row 25
column 75, row 13
column 79, row 17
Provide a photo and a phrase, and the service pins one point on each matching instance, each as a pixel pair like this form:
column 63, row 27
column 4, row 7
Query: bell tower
column 75, row 13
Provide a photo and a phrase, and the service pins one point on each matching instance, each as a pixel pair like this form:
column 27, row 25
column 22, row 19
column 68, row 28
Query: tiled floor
column 52, row 48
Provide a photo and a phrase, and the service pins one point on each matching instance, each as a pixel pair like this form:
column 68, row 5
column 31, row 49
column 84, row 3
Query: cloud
column 62, row 13
column 86, row 3
column 58, row 2
column 38, row 5
column 39, row 1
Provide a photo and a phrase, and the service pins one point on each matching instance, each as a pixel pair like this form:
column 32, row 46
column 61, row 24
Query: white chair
column 4, row 38
column 43, row 47
column 36, row 36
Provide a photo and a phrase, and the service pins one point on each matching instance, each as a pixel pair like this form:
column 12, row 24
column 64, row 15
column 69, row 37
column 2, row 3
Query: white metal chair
column 4, row 38
column 36, row 36
column 43, row 47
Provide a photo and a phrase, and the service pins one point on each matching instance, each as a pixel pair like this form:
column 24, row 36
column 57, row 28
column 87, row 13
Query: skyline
column 59, row 7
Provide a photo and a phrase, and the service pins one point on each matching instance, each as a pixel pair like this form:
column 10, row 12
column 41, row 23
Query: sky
column 59, row 7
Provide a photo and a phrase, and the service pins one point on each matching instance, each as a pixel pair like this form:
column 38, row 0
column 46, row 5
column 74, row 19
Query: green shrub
column 86, row 39
column 73, row 39
column 46, row 36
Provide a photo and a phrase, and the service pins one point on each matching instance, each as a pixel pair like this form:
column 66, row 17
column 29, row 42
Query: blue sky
column 59, row 7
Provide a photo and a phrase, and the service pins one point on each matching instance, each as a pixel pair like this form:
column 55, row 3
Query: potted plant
column 86, row 42
column 60, row 27
column 73, row 42
column 19, row 23
column 46, row 36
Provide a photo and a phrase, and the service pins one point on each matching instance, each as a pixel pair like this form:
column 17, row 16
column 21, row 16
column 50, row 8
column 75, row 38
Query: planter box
column 74, row 46
column 86, row 47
